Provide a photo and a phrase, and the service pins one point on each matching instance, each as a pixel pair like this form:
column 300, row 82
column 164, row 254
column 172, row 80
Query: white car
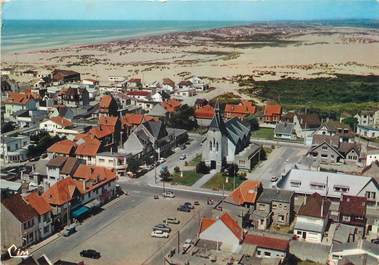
column 159, row 234
column 183, row 157
column 168, row 194
column 187, row 244
column 161, row 160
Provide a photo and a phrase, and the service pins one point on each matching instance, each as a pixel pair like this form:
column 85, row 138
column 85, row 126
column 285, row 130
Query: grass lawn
column 215, row 183
column 195, row 161
column 264, row 133
column 188, row 179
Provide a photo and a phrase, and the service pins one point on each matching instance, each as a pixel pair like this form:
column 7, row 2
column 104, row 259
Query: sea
column 27, row 35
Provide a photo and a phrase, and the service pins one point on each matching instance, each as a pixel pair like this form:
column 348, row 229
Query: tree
column 201, row 167
column 7, row 127
column 183, row 118
column 351, row 121
column 133, row 164
column 253, row 122
column 43, row 141
column 232, row 170
column 164, row 174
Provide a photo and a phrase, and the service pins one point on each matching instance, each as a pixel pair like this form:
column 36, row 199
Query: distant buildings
column 65, row 76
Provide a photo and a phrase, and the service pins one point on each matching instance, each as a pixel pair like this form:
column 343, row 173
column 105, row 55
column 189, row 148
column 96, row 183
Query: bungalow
column 65, row 76
column 21, row 221
column 204, row 114
column 62, row 148
column 312, row 219
column 246, row 194
column 268, row 247
column 352, row 210
column 44, row 212
column 108, row 106
column 285, row 131
column 224, row 230
column 17, row 101
column 241, row 110
column 272, row 113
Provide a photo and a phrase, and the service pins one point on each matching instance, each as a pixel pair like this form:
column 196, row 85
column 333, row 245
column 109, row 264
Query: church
column 229, row 143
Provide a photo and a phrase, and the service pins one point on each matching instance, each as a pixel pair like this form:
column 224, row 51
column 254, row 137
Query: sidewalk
column 188, row 189
column 204, row 179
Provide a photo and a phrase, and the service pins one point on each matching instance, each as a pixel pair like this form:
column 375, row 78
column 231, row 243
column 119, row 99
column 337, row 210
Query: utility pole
column 178, row 242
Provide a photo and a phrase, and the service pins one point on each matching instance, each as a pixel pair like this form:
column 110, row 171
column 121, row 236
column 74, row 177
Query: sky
column 217, row 10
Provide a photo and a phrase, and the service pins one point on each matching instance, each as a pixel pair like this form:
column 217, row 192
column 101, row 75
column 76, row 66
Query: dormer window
column 295, row 183
column 317, row 186
column 341, row 188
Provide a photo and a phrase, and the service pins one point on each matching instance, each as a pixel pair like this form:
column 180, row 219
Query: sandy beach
column 264, row 52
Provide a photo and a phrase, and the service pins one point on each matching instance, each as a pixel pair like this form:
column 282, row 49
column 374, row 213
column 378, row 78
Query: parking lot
column 128, row 240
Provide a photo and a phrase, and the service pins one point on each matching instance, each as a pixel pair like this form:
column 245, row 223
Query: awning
column 93, row 204
column 79, row 211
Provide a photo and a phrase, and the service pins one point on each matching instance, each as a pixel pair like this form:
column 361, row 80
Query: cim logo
column 15, row 252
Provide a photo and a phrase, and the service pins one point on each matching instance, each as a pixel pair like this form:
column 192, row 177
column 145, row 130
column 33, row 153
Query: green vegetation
column 217, row 181
column 195, row 161
column 263, row 133
column 227, row 98
column 42, row 141
column 188, row 179
column 183, row 118
column 342, row 93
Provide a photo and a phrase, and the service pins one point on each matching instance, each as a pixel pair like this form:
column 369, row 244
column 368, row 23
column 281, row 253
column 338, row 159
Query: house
column 14, row 149
column 372, row 156
column 332, row 128
column 241, row 110
column 63, row 196
column 89, row 81
column 268, row 247
column 273, row 206
column 44, row 212
column 168, row 85
column 312, row 219
column 372, row 171
column 9, row 187
column 228, row 143
column 331, row 149
column 285, row 131
column 246, row 193
column 141, row 98
column 115, row 161
column 87, row 148
column 134, row 83
column 8, row 85
column 368, row 124
column 358, row 252
column 130, row 121
column 29, row 118
column 62, row 148
column 74, row 97
column 165, row 108
column 59, row 168
column 54, row 124
column 62, row 111
column 272, row 113
column 198, row 84
column 185, row 91
column 109, row 131
column 17, row 101
column 224, row 230
column 65, row 76
column 108, row 106
column 21, row 221
column 204, row 114
column 352, row 210
column 332, row 185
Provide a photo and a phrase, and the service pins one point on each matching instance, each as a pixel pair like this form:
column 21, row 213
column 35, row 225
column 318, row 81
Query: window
column 370, row 195
column 46, row 229
column 341, row 188
column 317, row 186
column 281, row 217
column 267, row 254
column 217, row 146
column 258, row 252
column 346, row 218
column 324, row 147
column 324, row 155
column 210, row 145
column 295, row 183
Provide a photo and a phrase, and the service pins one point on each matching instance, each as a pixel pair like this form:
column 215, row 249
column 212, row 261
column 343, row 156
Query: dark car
column 90, row 253
column 375, row 241
column 183, row 208
column 188, row 205
column 162, row 227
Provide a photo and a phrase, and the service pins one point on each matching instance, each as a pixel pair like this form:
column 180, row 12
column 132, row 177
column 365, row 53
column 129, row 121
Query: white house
column 14, row 149
column 372, row 155
column 185, row 92
column 223, row 230
column 198, row 84
column 115, row 161
column 157, row 97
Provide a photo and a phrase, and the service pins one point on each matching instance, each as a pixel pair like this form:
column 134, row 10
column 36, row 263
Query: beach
column 263, row 52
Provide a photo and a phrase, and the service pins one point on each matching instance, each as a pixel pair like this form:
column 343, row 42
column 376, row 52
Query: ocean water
column 22, row 35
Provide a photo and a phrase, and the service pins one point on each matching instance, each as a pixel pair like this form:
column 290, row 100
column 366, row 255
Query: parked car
column 90, row 253
column 168, row 194
column 159, row 234
column 274, row 178
column 183, row 208
column 189, row 205
column 171, row 220
column 161, row 160
column 69, row 230
column 183, row 157
column 162, row 227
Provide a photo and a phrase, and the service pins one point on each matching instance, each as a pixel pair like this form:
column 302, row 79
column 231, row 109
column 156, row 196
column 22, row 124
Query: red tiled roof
column 62, row 191
column 227, row 220
column 105, row 101
column 243, row 108
column 96, row 176
column 18, row 98
column 246, row 192
column 61, row 121
column 19, row 207
column 267, row 242
column 38, row 203
column 139, row 93
column 168, row 81
column 134, row 80
column 171, row 105
column 272, row 109
column 353, row 205
column 204, row 112
column 313, row 206
column 89, row 148
column 62, row 147
column 108, row 120
column 131, row 119
column 101, row 132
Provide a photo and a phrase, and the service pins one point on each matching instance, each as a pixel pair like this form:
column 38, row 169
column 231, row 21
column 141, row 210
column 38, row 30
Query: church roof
column 217, row 121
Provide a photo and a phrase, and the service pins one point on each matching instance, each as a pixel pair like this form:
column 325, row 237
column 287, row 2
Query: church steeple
column 217, row 122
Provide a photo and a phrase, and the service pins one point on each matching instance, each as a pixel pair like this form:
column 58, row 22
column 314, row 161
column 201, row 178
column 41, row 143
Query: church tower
column 216, row 145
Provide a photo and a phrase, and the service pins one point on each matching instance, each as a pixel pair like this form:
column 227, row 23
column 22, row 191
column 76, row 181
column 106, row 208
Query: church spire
column 217, row 121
